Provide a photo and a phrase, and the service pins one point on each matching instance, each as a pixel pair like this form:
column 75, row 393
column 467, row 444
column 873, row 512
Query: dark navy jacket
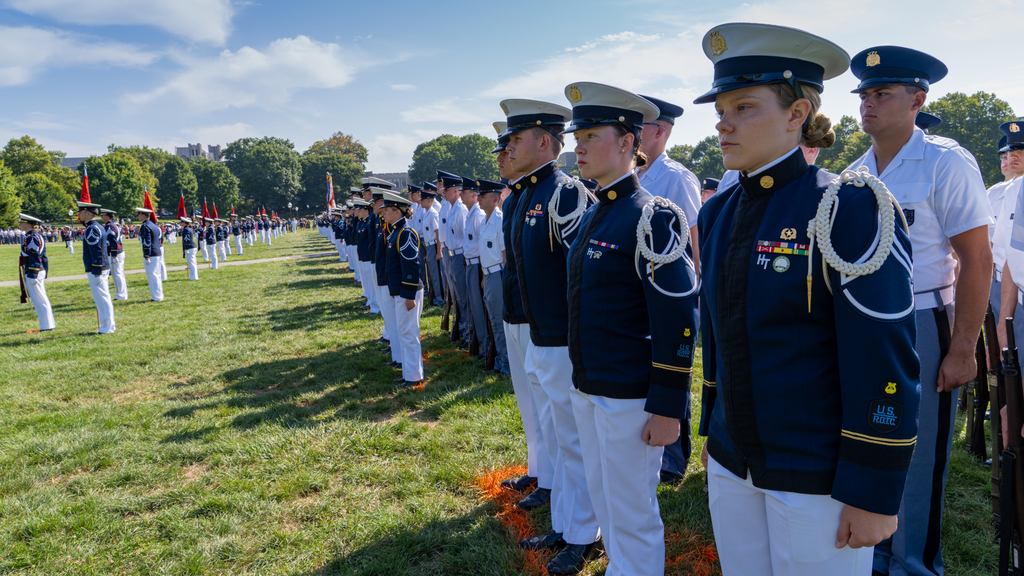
column 629, row 338
column 373, row 226
column 819, row 402
column 403, row 261
column 222, row 233
column 33, row 251
column 235, row 230
column 113, row 238
column 540, row 256
column 188, row 238
column 512, row 310
column 95, row 254
column 211, row 236
column 380, row 252
column 149, row 234
column 363, row 240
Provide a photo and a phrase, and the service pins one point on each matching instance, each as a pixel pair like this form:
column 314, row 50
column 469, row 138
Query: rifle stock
column 1011, row 496
column 996, row 386
column 447, row 309
column 975, row 405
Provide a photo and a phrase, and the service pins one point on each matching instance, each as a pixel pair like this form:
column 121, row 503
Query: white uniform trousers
column 622, row 478
column 120, row 283
column 407, row 337
column 212, row 249
column 227, row 246
column 342, row 251
column 162, row 264
column 190, row 261
column 238, row 244
column 101, row 296
column 270, row 238
column 156, row 286
column 773, row 533
column 71, row 246
column 370, row 286
column 353, row 261
column 387, row 311
column 221, row 246
column 205, row 250
column 36, row 288
column 538, row 460
column 550, row 373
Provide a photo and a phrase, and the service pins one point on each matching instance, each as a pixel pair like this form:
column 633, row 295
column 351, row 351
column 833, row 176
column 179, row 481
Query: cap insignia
column 718, row 46
column 1014, row 127
column 504, row 108
column 574, row 94
column 873, row 59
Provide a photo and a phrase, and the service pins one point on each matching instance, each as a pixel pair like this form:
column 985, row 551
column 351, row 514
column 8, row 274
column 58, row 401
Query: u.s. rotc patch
column 908, row 213
column 685, row 350
column 884, row 415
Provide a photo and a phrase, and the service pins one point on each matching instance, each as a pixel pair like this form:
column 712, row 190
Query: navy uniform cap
column 428, row 195
column 895, row 65
column 748, row 55
column 1014, row 134
column 448, row 179
column 1002, row 144
column 525, row 114
column 429, row 186
column 414, row 189
column 596, row 105
column 469, row 184
column 666, row 110
column 926, row 121
column 709, row 184
column 500, row 127
column 488, row 186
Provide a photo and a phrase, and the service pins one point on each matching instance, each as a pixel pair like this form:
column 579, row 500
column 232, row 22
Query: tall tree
column 177, row 178
column 10, row 204
column 974, row 121
column 468, row 156
column 267, row 169
column 704, row 159
column 345, row 173
column 24, row 156
column 42, row 197
column 214, row 182
column 340, row 143
column 152, row 160
column 116, row 182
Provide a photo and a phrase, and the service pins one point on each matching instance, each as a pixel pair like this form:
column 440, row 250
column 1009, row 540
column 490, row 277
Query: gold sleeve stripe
column 882, row 441
column 409, row 284
column 709, row 384
column 672, row 368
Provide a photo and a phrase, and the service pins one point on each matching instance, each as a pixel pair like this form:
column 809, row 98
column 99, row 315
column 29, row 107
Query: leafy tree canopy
column 340, row 143
column 468, row 156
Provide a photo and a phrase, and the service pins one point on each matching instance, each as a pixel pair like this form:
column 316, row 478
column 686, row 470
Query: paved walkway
column 201, row 265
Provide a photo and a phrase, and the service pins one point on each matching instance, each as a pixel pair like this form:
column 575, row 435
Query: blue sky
column 80, row 74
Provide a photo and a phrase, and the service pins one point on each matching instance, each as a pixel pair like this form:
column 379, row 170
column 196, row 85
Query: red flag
column 233, row 210
column 85, row 185
column 206, row 213
column 148, row 204
column 273, row 215
column 215, row 210
column 181, row 206
column 264, row 212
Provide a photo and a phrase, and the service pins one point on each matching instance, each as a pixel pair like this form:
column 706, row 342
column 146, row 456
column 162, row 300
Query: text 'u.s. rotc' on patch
column 884, row 415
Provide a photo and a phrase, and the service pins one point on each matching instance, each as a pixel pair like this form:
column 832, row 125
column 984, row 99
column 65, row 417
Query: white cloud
column 252, row 78
column 393, row 152
column 26, row 52
column 403, row 87
column 206, row 21
column 451, row 111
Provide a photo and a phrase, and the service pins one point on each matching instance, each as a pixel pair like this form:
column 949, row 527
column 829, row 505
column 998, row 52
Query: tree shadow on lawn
column 308, row 317
column 474, row 543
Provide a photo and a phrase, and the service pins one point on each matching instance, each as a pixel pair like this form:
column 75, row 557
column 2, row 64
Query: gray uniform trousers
column 431, row 264
column 494, row 302
column 457, row 265
column 476, row 304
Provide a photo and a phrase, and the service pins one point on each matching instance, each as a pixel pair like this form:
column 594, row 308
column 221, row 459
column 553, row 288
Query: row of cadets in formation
column 1007, row 236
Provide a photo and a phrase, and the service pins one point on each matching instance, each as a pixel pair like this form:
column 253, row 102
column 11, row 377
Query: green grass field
column 249, row 425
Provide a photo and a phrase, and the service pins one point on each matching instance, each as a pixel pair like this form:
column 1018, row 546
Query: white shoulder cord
column 820, row 227
column 554, row 219
column 645, row 234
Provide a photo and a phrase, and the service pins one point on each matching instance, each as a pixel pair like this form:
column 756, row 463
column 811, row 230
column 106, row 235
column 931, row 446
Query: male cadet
column 362, row 242
column 456, row 242
column 471, row 251
column 539, row 465
column 940, row 189
column 188, row 247
column 267, row 238
column 236, row 231
column 442, row 231
column 222, row 239
column 116, row 253
column 538, row 250
column 34, row 266
column 708, row 187
column 149, row 236
column 664, row 177
column 492, row 259
column 210, row 237
column 97, row 265
column 1008, row 245
column 431, row 257
column 201, row 239
column 999, row 234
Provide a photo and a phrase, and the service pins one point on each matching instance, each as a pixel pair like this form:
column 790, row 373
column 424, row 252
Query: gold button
column 533, row 179
column 767, row 181
column 612, row 195
column 518, row 186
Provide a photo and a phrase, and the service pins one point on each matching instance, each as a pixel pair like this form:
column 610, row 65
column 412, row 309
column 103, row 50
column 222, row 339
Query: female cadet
column 632, row 325
column 807, row 310
column 34, row 266
column 404, row 286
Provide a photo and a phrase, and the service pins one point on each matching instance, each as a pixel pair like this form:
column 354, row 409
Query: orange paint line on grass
column 517, row 522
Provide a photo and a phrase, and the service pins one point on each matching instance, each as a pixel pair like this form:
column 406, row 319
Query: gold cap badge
column 767, row 181
column 718, row 46
column 574, row 94
column 1014, row 127
column 873, row 59
column 789, row 233
column 504, row 108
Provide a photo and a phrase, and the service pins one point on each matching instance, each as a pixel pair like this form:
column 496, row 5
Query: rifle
column 1012, row 461
column 447, row 308
column 976, row 396
column 492, row 347
column 22, row 261
column 428, row 292
column 995, row 392
column 456, row 330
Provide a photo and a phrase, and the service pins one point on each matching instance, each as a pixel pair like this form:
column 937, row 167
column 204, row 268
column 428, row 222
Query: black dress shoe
column 409, row 384
column 383, row 340
column 386, row 351
column 550, row 540
column 397, row 365
column 670, row 478
column 573, row 558
column 399, row 380
column 536, row 499
column 521, row 483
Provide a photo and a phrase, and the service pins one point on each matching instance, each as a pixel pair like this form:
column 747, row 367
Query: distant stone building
column 399, row 179
column 72, row 163
column 196, row 151
column 567, row 162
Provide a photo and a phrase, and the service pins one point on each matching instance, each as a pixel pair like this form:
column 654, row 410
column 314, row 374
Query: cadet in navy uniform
column 632, row 325
column 471, row 250
column 492, row 262
column 363, row 252
column 378, row 256
column 708, row 187
column 221, row 236
column 809, row 444
column 116, row 253
column 188, row 247
column 943, row 197
column 236, row 231
column 540, row 243
column 405, row 289
column 97, row 265
column 149, row 235
column 35, row 266
column 211, row 243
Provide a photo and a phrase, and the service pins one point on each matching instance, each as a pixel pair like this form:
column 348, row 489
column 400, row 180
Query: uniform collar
column 619, row 189
column 538, row 175
column 775, row 176
column 656, row 167
column 912, row 150
column 400, row 223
